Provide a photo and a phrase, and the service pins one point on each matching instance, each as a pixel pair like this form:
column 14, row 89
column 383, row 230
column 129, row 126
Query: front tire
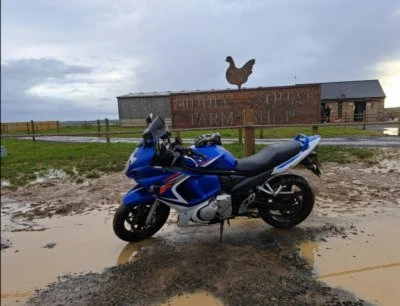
column 290, row 208
column 129, row 222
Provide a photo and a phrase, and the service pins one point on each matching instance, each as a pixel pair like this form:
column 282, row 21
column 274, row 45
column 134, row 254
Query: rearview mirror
column 149, row 119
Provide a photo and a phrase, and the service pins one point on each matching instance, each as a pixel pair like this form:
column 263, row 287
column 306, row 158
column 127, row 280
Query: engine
column 220, row 205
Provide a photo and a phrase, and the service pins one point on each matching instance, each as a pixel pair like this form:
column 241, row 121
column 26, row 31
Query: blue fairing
column 137, row 195
column 141, row 159
column 194, row 188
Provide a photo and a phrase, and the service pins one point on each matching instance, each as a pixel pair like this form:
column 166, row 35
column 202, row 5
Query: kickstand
column 221, row 230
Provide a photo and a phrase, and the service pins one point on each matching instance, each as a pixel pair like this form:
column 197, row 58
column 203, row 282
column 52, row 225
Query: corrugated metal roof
column 352, row 90
column 329, row 90
column 145, row 94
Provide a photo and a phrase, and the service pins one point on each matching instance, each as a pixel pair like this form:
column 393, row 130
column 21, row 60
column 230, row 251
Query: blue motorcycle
column 206, row 184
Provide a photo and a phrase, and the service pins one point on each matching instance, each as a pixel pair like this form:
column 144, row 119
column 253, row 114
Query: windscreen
column 155, row 130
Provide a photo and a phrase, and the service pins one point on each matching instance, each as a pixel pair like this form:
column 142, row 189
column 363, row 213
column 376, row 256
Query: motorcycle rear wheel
column 129, row 222
column 287, row 211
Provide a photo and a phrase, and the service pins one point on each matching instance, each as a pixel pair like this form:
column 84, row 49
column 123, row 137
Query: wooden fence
column 29, row 127
column 248, row 137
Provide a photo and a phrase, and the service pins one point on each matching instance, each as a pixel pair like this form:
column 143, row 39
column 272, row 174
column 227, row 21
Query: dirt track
column 255, row 264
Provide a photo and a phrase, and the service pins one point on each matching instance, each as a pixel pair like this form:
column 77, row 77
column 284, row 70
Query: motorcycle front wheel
column 129, row 223
column 291, row 206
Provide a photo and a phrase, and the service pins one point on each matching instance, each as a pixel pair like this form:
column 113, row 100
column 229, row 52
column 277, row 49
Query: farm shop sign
column 278, row 105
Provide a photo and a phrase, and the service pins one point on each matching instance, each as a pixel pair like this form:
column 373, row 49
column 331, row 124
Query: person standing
column 327, row 114
column 322, row 113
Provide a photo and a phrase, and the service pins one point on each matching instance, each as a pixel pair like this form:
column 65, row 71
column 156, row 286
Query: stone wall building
column 351, row 101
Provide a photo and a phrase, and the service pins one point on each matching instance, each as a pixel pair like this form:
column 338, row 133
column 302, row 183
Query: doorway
column 359, row 110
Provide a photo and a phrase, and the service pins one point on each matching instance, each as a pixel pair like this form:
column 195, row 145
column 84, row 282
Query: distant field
column 28, row 160
column 284, row 132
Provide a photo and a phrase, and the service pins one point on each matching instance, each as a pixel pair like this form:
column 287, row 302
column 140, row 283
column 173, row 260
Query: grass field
column 284, row 132
column 28, row 160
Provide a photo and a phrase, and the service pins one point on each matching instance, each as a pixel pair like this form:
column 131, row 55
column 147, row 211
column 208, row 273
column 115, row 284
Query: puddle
column 195, row 299
column 391, row 131
column 49, row 175
column 5, row 183
column 367, row 264
column 83, row 243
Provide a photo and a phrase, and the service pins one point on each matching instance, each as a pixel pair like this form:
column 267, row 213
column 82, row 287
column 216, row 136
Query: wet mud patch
column 257, row 267
column 358, row 189
column 65, row 197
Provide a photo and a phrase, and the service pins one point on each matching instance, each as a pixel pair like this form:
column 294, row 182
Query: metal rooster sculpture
column 238, row 76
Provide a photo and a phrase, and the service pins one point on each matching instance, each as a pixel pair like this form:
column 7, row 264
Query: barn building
column 348, row 102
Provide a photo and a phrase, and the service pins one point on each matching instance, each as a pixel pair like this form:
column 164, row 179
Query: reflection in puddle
column 307, row 251
column 129, row 253
column 367, row 263
column 196, row 299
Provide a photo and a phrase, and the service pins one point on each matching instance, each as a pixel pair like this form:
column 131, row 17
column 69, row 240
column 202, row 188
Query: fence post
column 27, row 127
column 364, row 114
column 249, row 133
column 98, row 125
column 33, row 130
column 315, row 130
column 107, row 131
column 58, row 127
column 240, row 136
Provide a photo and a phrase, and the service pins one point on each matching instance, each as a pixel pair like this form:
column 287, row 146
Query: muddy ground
column 255, row 264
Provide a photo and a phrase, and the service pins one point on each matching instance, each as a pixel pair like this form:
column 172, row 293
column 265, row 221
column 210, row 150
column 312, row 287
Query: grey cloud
column 315, row 40
column 183, row 44
column 18, row 76
column 43, row 108
column 40, row 69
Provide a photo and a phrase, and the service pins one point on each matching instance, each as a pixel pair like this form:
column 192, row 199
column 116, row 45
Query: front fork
column 153, row 208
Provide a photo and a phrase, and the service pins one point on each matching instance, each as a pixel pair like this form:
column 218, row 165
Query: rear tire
column 295, row 209
column 129, row 222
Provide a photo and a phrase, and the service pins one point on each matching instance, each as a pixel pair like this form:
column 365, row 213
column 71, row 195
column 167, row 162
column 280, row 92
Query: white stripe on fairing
column 211, row 161
column 176, row 194
column 187, row 213
column 311, row 147
column 187, row 157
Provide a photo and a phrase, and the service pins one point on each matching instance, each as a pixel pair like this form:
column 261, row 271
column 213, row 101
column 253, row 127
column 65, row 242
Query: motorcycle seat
column 269, row 157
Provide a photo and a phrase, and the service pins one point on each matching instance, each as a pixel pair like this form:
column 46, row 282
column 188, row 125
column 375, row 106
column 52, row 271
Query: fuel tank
column 218, row 158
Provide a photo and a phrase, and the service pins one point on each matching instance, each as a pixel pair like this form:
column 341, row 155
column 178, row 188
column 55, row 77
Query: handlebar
column 188, row 151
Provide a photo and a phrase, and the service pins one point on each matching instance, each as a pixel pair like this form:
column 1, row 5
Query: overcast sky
column 68, row 60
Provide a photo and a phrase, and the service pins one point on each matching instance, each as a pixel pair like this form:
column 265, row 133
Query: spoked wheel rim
column 288, row 204
column 135, row 220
